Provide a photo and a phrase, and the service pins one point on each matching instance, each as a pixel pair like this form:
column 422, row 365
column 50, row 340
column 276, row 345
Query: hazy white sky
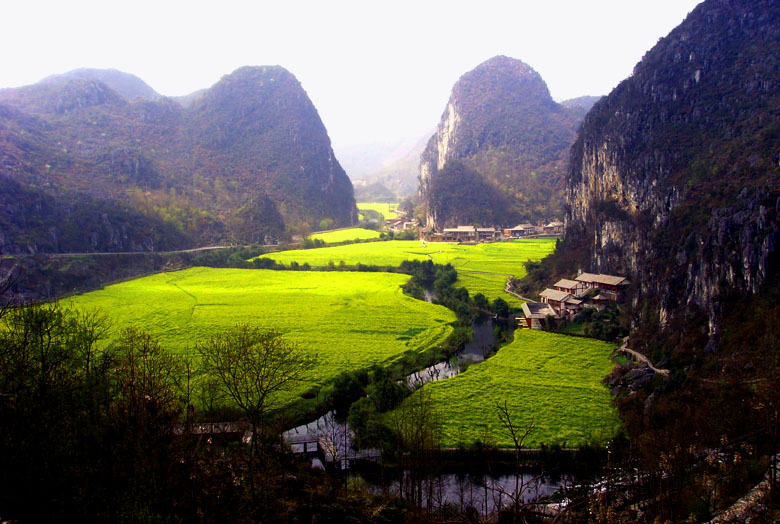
column 375, row 70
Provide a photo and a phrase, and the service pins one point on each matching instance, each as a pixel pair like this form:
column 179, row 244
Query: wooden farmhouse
column 471, row 234
column 488, row 234
column 608, row 285
column 562, row 302
column 554, row 228
column 460, row 234
column 535, row 315
column 520, row 231
column 576, row 289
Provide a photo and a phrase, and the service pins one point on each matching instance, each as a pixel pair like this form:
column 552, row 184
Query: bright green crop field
column 345, row 235
column 492, row 286
column 386, row 209
column 554, row 378
column 346, row 320
column 499, row 257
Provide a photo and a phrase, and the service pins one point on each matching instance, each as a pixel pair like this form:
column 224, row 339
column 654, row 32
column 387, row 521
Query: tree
column 518, row 436
column 416, row 428
column 500, row 307
column 252, row 367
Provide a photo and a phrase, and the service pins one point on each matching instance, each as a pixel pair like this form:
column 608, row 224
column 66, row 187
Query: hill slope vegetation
column 245, row 158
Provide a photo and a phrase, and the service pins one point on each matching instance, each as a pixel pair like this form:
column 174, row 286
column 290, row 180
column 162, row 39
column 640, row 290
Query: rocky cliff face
column 249, row 155
column 501, row 121
column 674, row 179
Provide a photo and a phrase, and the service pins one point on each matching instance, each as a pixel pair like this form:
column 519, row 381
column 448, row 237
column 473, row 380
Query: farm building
column 535, row 315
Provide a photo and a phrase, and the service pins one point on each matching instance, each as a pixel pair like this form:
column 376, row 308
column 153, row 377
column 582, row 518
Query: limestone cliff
column 674, row 179
column 501, row 122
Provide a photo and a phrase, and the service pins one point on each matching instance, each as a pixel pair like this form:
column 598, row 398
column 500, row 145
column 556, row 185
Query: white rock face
column 446, row 134
column 438, row 151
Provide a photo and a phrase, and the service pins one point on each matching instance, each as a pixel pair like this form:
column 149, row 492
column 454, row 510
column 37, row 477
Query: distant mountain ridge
column 125, row 85
column 390, row 176
column 248, row 156
column 509, row 134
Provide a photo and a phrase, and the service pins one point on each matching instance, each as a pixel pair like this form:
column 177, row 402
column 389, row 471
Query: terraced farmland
column 345, row 235
column 347, row 320
column 554, row 379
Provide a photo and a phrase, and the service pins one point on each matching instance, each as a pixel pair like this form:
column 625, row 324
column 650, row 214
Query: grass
column 345, row 235
column 346, row 320
column 385, row 209
column 551, row 379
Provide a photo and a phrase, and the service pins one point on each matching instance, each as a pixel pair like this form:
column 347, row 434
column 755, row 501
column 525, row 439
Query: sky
column 377, row 71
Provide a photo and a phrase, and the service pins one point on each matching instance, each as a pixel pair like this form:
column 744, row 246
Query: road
column 192, row 250
column 641, row 357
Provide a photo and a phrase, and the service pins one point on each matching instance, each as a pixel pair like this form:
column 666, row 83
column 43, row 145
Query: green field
column 492, row 286
column 499, row 257
column 554, row 378
column 347, row 320
column 345, row 235
column 385, row 209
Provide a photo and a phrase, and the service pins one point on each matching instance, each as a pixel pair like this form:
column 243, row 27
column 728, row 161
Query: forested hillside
column 245, row 159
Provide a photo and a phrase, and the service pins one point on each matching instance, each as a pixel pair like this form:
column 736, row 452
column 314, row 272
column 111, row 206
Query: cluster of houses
column 400, row 224
column 473, row 234
column 568, row 297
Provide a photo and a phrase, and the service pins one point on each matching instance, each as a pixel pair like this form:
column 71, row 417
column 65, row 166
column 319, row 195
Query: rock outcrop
column 501, row 121
column 674, row 179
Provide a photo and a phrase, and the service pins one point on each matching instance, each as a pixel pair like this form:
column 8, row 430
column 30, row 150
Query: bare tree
column 518, row 435
column 416, row 426
column 252, row 367
column 7, row 279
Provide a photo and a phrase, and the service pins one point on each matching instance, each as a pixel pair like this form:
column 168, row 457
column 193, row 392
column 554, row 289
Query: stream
column 330, row 440
column 333, row 438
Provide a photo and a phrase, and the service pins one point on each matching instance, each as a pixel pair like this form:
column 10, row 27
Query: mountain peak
column 125, row 85
column 502, row 122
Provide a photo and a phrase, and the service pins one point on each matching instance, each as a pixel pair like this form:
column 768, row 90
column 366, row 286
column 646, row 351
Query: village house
column 562, row 302
column 554, row 298
column 576, row 289
column 609, row 286
column 535, row 315
column 488, row 234
column 554, row 228
column 520, row 231
column 471, row 234
column 460, row 234
column 399, row 224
